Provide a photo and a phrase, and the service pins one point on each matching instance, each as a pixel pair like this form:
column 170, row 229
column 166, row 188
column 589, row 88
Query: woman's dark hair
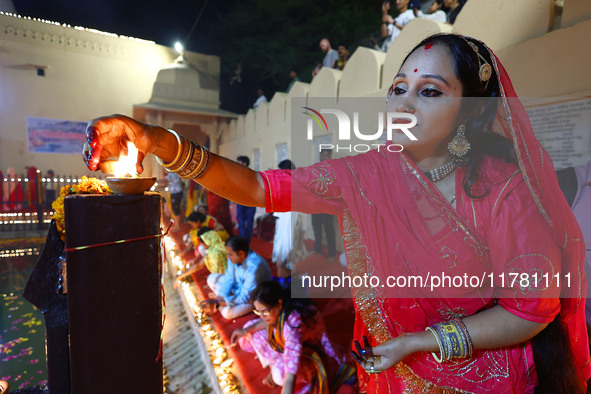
column 286, row 165
column 238, row 244
column 270, row 292
column 243, row 159
column 197, row 217
column 554, row 361
column 481, row 112
column 202, row 231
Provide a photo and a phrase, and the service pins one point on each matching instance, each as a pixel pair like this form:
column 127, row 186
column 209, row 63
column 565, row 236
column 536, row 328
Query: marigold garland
column 86, row 186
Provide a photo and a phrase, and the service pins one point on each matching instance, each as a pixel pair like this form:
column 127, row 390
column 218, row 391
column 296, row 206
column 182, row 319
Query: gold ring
column 372, row 370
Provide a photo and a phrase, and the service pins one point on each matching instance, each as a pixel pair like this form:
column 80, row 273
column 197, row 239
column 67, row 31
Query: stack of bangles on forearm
column 191, row 159
column 453, row 339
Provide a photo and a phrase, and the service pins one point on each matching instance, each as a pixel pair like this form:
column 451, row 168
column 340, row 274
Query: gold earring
column 459, row 145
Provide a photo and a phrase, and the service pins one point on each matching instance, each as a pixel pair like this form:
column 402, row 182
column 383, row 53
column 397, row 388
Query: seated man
column 245, row 271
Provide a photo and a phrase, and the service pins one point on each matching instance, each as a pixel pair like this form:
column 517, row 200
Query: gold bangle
column 439, row 359
column 187, row 159
column 202, row 168
column 182, row 157
column 178, row 152
column 193, row 164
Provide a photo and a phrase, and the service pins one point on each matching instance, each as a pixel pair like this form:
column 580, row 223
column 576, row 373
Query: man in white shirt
column 391, row 27
column 435, row 12
column 261, row 99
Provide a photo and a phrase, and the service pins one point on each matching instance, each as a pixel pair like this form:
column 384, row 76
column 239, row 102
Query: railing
column 25, row 203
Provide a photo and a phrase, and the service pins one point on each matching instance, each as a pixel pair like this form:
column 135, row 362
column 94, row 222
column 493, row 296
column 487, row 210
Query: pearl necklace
column 441, row 172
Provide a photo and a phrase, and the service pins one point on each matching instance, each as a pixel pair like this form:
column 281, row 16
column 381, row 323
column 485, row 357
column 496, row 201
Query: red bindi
column 429, row 45
column 416, row 70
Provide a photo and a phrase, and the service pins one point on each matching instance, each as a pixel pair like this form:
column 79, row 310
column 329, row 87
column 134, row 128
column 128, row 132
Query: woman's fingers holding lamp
column 107, row 137
column 365, row 356
column 391, row 352
column 366, row 350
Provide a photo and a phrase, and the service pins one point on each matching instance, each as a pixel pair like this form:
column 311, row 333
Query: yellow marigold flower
column 86, row 186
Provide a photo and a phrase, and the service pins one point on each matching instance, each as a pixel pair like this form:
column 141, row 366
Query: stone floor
column 183, row 363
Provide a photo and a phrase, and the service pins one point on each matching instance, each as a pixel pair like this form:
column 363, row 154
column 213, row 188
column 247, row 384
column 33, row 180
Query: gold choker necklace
column 441, row 172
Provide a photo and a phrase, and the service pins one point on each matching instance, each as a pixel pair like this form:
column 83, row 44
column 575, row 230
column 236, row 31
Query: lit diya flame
column 125, row 167
column 126, row 180
column 226, row 364
column 220, row 351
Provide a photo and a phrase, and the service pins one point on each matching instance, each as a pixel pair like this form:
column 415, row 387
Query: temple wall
column 87, row 74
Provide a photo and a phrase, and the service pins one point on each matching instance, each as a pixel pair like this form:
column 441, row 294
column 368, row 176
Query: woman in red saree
column 12, row 192
column 475, row 196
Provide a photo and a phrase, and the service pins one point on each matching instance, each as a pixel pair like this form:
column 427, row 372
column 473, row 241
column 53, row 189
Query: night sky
column 164, row 22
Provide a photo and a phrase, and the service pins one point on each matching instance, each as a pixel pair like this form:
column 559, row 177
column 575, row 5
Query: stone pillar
column 114, row 293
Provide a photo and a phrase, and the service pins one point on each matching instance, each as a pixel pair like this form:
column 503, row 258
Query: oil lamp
column 126, row 180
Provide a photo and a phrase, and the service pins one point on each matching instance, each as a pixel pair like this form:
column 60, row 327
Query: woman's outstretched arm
column 108, row 136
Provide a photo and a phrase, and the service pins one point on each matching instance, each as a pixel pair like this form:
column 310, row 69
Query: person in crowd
column 236, row 75
column 260, row 98
column 575, row 183
column 476, row 193
column 33, row 198
column 454, row 6
column 198, row 220
column 214, row 256
column 193, row 196
column 293, row 75
column 391, row 27
column 343, row 57
column 233, row 289
column 330, row 56
column 323, row 223
column 50, row 186
column 194, row 244
column 174, row 183
column 245, row 214
column 290, row 338
column 12, row 192
column 220, row 209
column 288, row 242
column 436, row 12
